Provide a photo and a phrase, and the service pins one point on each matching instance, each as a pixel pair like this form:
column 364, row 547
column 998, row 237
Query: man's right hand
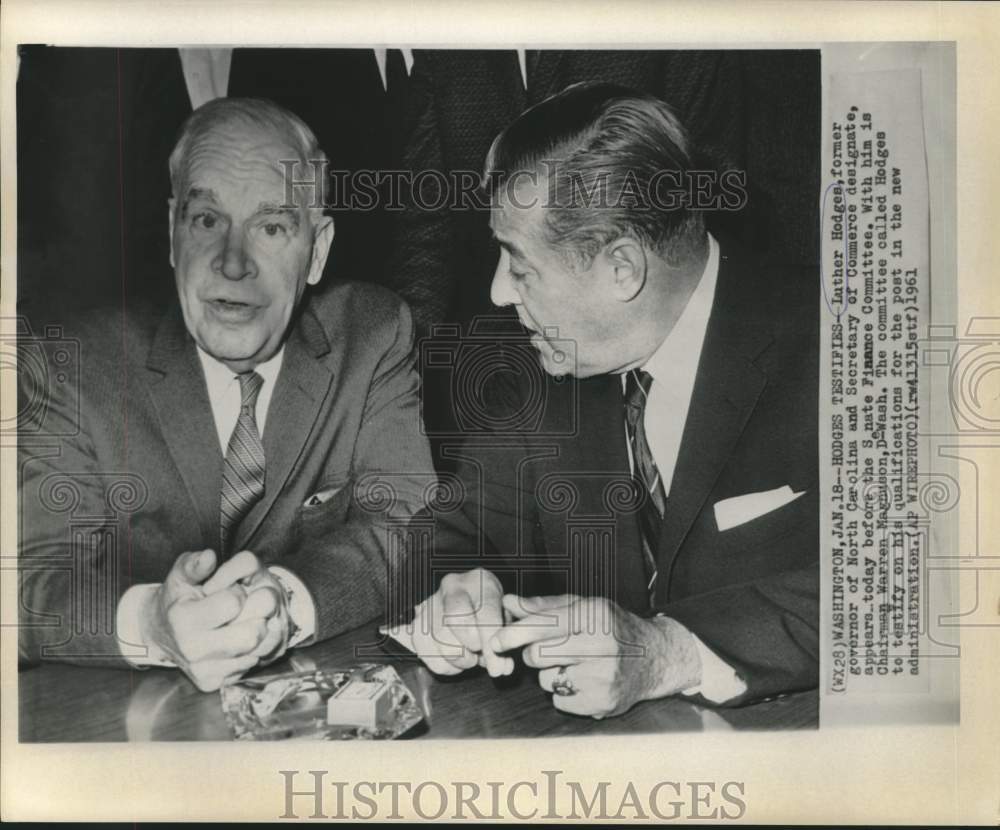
column 451, row 628
column 214, row 634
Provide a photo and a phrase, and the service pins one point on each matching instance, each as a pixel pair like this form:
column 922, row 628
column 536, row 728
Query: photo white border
column 929, row 775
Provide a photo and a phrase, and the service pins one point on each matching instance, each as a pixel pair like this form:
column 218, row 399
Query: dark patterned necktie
column 243, row 471
column 637, row 385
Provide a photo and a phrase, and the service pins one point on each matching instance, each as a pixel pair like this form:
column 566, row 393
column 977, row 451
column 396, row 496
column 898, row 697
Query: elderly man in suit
column 242, row 422
column 643, row 518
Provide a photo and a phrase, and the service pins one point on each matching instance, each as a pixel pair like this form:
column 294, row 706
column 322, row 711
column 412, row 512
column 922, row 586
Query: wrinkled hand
column 451, row 629
column 213, row 626
column 613, row 658
column 266, row 599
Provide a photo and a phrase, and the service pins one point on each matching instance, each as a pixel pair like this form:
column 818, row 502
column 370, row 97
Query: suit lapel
column 727, row 388
column 295, row 406
column 180, row 399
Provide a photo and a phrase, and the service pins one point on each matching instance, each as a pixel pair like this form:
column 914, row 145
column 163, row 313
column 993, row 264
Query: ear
column 322, row 239
column 171, row 205
column 626, row 258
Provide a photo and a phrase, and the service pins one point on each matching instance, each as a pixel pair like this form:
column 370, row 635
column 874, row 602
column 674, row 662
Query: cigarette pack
column 359, row 703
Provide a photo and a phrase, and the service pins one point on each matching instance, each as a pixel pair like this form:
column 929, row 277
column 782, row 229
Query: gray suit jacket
column 120, row 466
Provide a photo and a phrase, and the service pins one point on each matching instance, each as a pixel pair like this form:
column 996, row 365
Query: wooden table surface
column 64, row 703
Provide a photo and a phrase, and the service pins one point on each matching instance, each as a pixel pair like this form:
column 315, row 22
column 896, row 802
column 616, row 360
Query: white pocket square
column 738, row 510
column 321, row 497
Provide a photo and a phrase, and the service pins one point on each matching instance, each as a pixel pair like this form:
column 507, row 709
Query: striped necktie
column 243, row 471
column 637, row 385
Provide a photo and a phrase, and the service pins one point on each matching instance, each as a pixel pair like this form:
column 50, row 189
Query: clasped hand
column 610, row 658
column 215, row 624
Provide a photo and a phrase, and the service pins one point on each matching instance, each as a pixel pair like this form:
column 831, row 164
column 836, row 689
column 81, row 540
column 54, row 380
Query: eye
column 206, row 221
column 274, row 228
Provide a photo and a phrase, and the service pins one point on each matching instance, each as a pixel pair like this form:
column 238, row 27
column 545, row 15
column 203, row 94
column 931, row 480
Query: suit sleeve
column 74, row 554
column 766, row 629
column 487, row 516
column 347, row 568
column 495, row 527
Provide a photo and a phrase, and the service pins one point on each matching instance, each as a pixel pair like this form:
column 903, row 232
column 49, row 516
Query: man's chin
column 556, row 364
column 554, row 361
column 239, row 355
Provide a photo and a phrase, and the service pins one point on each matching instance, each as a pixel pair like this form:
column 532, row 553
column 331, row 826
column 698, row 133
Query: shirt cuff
column 719, row 681
column 129, row 629
column 301, row 607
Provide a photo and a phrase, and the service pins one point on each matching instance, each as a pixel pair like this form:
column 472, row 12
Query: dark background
column 95, row 127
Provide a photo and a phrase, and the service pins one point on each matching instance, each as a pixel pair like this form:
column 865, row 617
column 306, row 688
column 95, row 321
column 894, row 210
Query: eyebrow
column 196, row 193
column 263, row 209
column 275, row 209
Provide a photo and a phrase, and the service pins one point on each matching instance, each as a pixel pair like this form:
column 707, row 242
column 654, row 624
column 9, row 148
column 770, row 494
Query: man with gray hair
column 220, row 450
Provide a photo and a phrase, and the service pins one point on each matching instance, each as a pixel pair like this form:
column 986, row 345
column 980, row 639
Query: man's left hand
column 265, row 600
column 603, row 659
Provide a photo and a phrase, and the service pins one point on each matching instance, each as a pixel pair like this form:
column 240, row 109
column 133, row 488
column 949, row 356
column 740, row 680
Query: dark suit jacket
column 121, row 466
column 551, row 509
column 756, row 111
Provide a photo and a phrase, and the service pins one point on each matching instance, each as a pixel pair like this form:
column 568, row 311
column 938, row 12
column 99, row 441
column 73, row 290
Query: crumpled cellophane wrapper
column 294, row 705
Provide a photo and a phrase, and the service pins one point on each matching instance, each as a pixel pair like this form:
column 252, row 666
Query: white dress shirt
column 225, row 398
column 674, row 368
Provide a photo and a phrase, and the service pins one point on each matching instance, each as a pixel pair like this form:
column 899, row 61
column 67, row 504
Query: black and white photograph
column 590, row 384
column 403, row 389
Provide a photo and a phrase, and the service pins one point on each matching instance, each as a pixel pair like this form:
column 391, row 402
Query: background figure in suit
column 652, row 520
column 216, row 452
column 95, row 128
column 755, row 111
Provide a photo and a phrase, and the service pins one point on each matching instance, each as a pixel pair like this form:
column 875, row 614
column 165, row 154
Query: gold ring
column 562, row 685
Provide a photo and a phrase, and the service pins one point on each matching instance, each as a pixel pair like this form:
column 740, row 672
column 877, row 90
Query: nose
column 234, row 261
column 502, row 291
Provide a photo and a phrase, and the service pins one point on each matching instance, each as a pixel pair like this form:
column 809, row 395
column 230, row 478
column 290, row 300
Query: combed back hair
column 222, row 116
column 595, row 143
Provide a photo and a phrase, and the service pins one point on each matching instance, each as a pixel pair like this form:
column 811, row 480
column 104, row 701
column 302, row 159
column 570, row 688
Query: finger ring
column 562, row 685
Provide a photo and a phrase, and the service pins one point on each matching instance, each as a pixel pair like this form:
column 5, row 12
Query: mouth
column 537, row 334
column 527, row 326
column 535, row 337
column 231, row 310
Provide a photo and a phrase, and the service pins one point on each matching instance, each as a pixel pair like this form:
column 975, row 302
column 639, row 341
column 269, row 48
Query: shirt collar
column 686, row 336
column 218, row 376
